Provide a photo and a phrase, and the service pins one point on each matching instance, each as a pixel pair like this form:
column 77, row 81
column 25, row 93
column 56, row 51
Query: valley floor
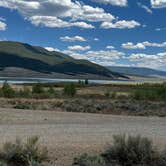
column 69, row 134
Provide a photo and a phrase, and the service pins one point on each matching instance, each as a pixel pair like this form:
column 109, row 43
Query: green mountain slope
column 34, row 59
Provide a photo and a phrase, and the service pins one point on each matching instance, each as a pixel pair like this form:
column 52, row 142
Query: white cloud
column 2, row 26
column 79, row 48
column 66, row 13
column 54, row 22
column 113, row 2
column 148, row 10
column 160, row 29
column 96, row 39
column 158, row 3
column 51, row 49
column 130, row 45
column 73, row 39
column 110, row 47
column 146, row 60
column 120, row 24
column 142, row 45
column 102, row 57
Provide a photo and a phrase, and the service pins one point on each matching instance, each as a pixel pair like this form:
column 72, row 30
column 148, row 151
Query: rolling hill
column 137, row 71
column 24, row 60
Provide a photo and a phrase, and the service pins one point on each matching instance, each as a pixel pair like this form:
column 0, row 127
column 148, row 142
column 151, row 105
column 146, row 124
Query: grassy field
column 142, row 99
column 76, row 118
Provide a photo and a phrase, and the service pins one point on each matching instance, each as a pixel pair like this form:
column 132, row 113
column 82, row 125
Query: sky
column 107, row 32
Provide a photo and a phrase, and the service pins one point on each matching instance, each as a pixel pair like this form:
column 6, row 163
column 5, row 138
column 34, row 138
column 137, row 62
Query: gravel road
column 68, row 134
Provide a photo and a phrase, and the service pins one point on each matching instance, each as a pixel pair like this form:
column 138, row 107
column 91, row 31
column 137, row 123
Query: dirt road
column 69, row 134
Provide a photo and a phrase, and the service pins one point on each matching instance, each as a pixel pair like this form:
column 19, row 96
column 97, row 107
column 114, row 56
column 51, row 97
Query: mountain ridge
column 137, row 71
column 37, row 59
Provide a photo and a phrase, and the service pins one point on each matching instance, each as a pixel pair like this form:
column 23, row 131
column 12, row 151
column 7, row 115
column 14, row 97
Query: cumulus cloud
column 102, row 57
column 66, row 13
column 51, row 49
column 2, row 26
column 142, row 45
column 79, row 48
column 146, row 60
column 73, row 39
column 120, row 24
column 148, row 10
column 54, row 22
column 130, row 45
column 110, row 47
column 158, row 3
column 113, row 2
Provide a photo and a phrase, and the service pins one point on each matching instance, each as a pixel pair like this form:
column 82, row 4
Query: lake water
column 12, row 80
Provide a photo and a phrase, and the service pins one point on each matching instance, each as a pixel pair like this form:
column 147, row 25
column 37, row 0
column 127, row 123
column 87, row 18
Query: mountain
column 137, row 71
column 24, row 60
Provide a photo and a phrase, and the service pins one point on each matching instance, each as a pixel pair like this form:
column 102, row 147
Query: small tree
column 7, row 90
column 86, row 81
column 70, row 89
column 37, row 88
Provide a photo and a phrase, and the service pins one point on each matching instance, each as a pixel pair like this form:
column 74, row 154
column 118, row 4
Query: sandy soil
column 68, row 134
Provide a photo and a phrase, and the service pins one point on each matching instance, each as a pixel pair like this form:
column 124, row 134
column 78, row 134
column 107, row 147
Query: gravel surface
column 68, row 134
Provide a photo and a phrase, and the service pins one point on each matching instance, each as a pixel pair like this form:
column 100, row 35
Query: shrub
column 87, row 160
column 37, row 88
column 23, row 154
column 7, row 91
column 150, row 92
column 86, row 81
column 24, row 105
column 70, row 89
column 26, row 92
column 113, row 95
column 51, row 90
column 107, row 94
column 131, row 151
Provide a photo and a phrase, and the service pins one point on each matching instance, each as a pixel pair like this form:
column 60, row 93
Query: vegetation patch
column 126, row 151
column 23, row 154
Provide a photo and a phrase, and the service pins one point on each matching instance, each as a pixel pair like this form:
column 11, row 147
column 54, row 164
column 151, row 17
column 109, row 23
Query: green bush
column 51, row 90
column 132, row 151
column 87, row 160
column 7, row 91
column 70, row 89
column 126, row 151
column 150, row 92
column 24, row 105
column 37, row 88
column 86, row 81
column 23, row 154
column 107, row 94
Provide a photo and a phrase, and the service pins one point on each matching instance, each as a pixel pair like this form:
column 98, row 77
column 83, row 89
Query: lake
column 14, row 80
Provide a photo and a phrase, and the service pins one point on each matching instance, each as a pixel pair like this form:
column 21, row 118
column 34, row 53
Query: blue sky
column 107, row 32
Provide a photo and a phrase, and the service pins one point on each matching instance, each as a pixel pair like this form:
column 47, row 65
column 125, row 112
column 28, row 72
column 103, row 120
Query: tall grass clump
column 70, row 89
column 23, row 154
column 7, row 91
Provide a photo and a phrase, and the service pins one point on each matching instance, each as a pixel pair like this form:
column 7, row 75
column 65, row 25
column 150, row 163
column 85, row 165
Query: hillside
column 138, row 71
column 23, row 60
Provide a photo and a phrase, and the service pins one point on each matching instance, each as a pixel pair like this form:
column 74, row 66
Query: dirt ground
column 69, row 134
